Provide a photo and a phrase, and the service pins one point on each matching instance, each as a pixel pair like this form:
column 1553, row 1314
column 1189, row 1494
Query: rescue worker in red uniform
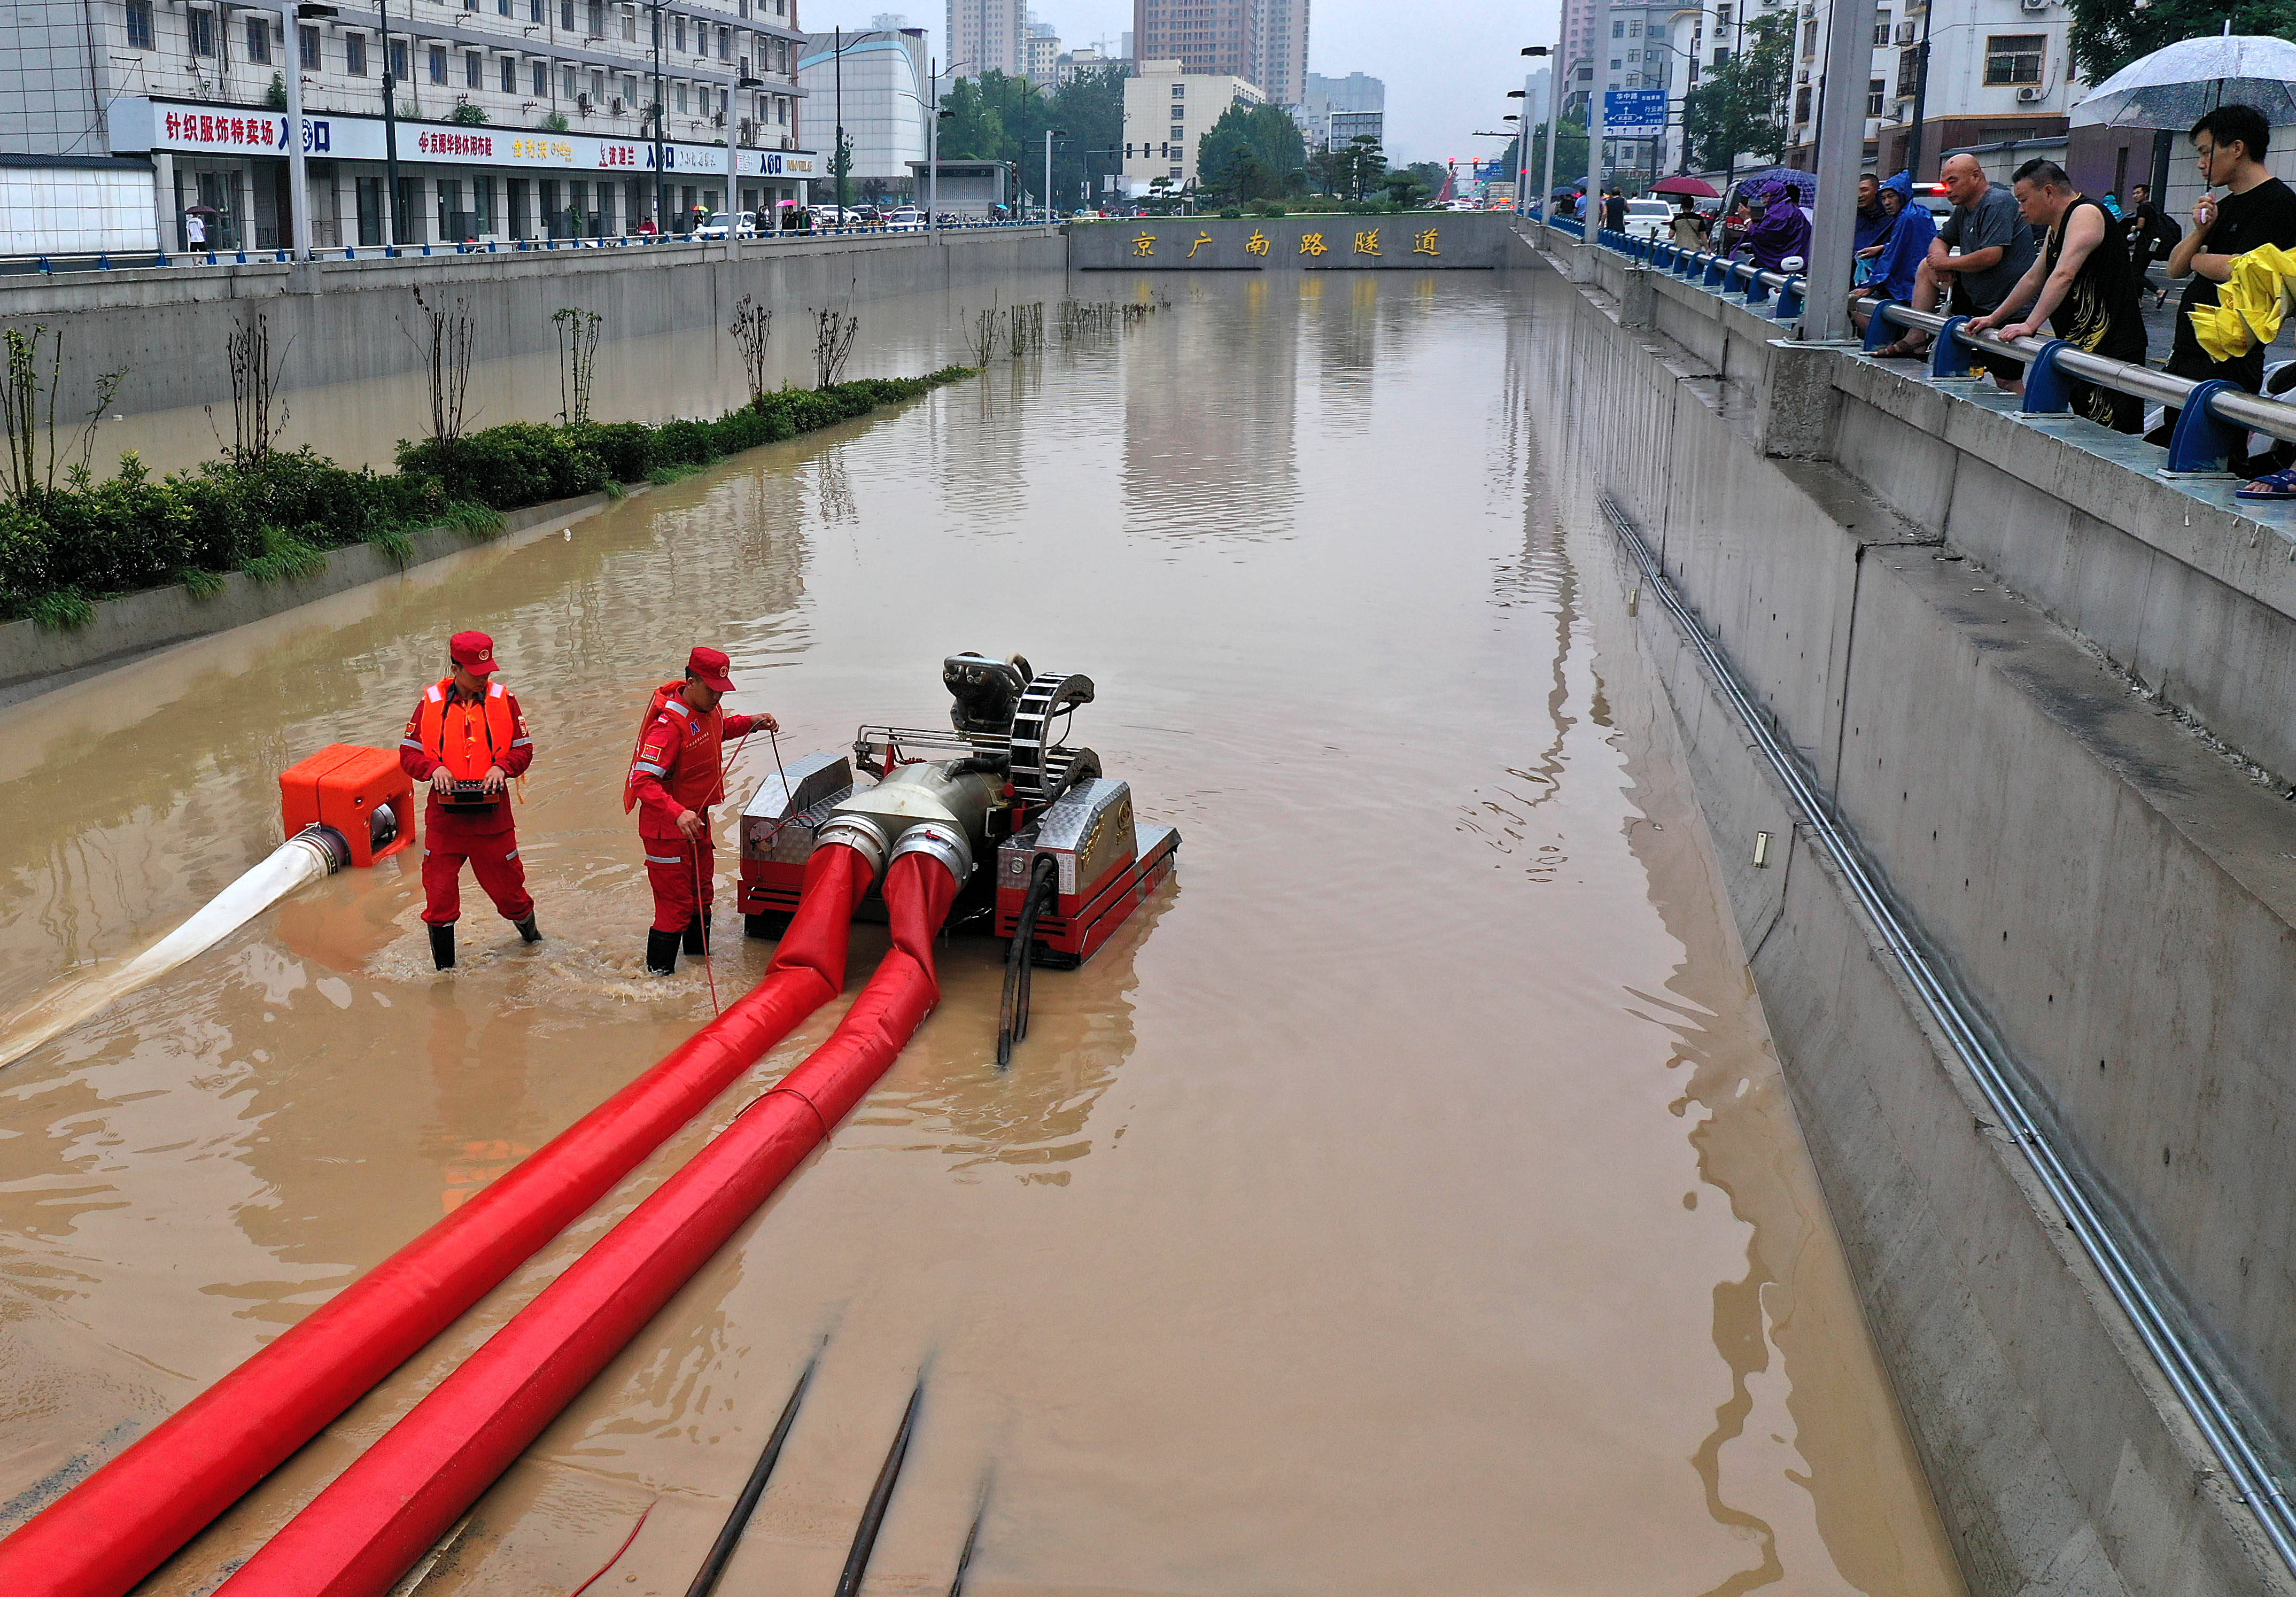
column 676, row 772
column 467, row 741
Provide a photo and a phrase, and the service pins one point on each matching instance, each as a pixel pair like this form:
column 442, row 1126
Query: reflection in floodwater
column 1405, row 1200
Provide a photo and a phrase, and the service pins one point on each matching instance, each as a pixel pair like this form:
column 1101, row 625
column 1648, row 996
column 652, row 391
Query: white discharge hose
column 311, row 854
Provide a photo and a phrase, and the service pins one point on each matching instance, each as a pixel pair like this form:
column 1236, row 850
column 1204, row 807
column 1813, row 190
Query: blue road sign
column 1628, row 113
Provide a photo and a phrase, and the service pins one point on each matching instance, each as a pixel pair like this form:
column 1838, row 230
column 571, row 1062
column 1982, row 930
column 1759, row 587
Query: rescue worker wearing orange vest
column 678, row 771
column 467, row 741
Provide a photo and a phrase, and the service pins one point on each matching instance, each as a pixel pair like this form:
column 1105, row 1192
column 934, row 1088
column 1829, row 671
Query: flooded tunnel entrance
column 1408, row 1199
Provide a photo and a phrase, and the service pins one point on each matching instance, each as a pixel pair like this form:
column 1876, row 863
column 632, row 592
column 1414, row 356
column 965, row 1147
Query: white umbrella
column 2176, row 86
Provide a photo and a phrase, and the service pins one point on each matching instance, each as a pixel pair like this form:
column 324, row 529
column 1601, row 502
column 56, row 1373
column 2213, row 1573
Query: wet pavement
column 1408, row 1200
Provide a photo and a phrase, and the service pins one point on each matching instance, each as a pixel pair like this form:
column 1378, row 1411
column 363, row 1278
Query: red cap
column 474, row 652
column 710, row 666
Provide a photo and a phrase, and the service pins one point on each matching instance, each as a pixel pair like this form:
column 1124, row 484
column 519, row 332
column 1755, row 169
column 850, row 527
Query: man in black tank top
column 2082, row 284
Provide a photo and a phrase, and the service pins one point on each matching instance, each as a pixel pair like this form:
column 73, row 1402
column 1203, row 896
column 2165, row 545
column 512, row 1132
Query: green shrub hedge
column 60, row 549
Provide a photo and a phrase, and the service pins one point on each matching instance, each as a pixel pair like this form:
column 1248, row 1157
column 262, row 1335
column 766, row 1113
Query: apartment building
column 1260, row 42
column 515, row 119
column 988, row 35
column 1041, row 55
column 1167, row 111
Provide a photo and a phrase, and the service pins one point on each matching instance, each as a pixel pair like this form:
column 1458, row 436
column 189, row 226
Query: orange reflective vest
column 686, row 754
column 467, row 739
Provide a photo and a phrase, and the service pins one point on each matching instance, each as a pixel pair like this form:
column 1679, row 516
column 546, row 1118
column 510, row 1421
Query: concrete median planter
column 35, row 659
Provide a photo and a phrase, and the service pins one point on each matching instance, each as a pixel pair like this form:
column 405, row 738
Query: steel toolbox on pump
column 1015, row 811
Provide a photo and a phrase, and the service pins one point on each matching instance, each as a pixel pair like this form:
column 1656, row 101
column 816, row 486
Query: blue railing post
column 1880, row 331
column 1948, row 356
column 2203, row 441
column 1790, row 299
column 2048, row 391
column 1758, row 292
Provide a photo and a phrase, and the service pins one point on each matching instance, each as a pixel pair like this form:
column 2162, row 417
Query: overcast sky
column 1448, row 64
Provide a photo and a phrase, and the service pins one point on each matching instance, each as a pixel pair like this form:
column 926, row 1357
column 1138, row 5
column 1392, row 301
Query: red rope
column 616, row 1559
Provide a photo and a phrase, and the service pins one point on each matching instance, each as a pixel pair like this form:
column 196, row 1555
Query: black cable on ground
column 872, row 1517
column 721, row 1552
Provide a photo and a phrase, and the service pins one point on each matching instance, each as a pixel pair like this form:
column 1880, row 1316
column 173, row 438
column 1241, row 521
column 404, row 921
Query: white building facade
column 1167, row 112
column 517, row 118
column 883, row 99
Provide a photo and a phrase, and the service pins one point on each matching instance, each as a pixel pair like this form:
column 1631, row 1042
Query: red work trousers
column 493, row 861
column 680, row 869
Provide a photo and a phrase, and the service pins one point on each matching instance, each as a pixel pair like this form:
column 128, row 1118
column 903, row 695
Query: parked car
column 905, row 219
column 1648, row 218
column 745, row 225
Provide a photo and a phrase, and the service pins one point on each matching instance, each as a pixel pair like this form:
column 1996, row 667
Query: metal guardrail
column 2213, row 419
column 56, row 265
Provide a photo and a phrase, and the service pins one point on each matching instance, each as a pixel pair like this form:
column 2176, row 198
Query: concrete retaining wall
column 335, row 323
column 1897, row 574
column 35, row 660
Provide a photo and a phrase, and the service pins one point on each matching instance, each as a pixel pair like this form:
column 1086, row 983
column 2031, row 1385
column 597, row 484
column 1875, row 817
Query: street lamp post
column 742, row 85
column 1554, row 133
column 1921, row 96
column 933, row 114
column 392, row 228
column 1596, row 107
column 1050, row 135
column 660, row 179
column 837, row 68
column 299, row 183
column 1522, row 153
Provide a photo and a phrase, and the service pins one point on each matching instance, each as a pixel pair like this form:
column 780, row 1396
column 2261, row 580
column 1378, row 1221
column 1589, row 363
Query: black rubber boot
column 697, row 937
column 442, row 946
column 528, row 932
column 661, row 953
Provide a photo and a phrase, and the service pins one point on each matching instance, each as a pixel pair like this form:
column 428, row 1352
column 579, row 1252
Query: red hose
column 381, row 1515
column 123, row 1521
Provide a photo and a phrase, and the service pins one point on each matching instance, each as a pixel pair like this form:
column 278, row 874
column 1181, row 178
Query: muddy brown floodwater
column 1408, row 1202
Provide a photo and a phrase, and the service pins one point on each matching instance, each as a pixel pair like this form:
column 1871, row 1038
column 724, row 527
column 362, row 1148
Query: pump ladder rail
column 2133, row 1278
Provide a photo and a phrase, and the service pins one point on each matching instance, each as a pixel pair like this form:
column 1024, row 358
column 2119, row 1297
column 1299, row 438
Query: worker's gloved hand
column 691, row 825
column 442, row 782
column 496, row 780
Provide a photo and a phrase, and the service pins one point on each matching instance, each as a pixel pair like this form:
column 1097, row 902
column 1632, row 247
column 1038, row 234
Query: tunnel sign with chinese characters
column 1408, row 241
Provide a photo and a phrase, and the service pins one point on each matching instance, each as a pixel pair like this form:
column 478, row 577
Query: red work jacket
column 465, row 735
column 679, row 763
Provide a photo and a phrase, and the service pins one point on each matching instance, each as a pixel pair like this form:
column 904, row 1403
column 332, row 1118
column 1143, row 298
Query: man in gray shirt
column 1996, row 249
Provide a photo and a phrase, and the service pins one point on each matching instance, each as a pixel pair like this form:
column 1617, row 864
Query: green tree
column 1090, row 107
column 840, row 164
column 1433, row 174
column 1252, row 152
column 1404, row 188
column 1741, row 107
column 2107, row 34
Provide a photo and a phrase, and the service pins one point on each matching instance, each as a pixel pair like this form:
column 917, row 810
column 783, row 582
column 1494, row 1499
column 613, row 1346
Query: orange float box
column 360, row 792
